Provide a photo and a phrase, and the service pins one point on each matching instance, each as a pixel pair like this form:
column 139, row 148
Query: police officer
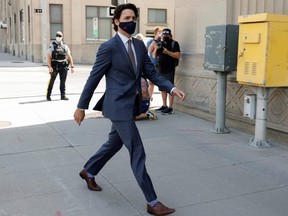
column 58, row 58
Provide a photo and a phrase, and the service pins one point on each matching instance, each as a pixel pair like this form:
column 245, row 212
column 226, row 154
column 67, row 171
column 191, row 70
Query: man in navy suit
column 122, row 68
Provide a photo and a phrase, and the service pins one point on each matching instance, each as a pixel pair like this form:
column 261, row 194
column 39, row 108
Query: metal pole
column 44, row 32
column 259, row 140
column 221, row 103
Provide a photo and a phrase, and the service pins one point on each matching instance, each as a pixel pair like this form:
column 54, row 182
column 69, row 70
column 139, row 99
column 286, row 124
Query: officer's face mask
column 58, row 39
column 128, row 27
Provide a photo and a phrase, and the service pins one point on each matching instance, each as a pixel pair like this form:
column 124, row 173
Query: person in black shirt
column 168, row 51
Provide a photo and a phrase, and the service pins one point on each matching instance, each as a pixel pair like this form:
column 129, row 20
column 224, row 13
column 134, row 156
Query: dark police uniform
column 59, row 53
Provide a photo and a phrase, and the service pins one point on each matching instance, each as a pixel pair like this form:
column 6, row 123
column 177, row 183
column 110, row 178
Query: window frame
column 156, row 21
column 100, row 17
column 51, row 23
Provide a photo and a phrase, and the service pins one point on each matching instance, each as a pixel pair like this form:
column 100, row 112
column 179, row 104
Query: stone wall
column 191, row 19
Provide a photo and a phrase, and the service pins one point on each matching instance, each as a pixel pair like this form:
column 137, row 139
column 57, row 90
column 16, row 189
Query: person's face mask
column 128, row 27
column 166, row 39
column 58, row 39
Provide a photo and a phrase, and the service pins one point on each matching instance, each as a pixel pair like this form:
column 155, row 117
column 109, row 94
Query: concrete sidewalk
column 198, row 172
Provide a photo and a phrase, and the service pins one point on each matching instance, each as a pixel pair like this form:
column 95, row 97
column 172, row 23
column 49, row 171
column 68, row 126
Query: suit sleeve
column 99, row 69
column 154, row 76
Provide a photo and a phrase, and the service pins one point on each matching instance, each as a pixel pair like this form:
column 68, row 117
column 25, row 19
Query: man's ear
column 116, row 22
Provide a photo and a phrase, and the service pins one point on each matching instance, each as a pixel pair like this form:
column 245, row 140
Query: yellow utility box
column 263, row 50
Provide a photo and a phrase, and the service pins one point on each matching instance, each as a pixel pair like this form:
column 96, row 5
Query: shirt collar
column 123, row 37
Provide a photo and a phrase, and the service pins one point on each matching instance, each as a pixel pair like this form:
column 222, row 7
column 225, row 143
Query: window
column 157, row 16
column 98, row 24
column 10, row 29
column 29, row 23
column 22, row 39
column 56, row 19
column 15, row 29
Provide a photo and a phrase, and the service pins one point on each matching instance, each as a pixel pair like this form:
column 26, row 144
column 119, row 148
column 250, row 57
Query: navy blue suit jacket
column 123, row 85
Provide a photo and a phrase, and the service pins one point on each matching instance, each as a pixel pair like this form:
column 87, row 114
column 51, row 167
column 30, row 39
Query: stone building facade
column 31, row 25
column 191, row 19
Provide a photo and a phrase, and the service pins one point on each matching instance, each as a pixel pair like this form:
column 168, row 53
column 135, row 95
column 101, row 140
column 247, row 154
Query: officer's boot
column 48, row 95
column 63, row 97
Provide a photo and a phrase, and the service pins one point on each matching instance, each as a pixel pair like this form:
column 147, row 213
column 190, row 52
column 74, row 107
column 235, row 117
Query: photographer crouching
column 168, row 51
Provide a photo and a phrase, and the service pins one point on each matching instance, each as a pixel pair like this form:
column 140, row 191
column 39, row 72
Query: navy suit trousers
column 124, row 132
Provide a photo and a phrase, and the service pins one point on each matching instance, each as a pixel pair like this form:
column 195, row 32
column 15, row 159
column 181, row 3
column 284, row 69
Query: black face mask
column 166, row 39
column 128, row 27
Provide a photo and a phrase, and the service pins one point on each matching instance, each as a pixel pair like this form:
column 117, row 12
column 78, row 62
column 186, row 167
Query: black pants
column 62, row 70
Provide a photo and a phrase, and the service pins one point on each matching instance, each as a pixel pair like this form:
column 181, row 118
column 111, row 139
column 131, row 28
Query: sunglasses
column 58, row 35
column 165, row 32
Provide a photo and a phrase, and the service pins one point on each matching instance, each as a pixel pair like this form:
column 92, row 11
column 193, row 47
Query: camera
column 161, row 45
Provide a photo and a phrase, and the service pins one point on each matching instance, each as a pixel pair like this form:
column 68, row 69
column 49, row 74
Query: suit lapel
column 122, row 49
column 125, row 53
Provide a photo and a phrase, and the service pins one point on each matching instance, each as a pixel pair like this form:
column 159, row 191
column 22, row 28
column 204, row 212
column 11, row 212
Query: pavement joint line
column 32, row 151
column 44, row 96
column 233, row 197
column 61, row 191
column 37, row 195
column 121, row 194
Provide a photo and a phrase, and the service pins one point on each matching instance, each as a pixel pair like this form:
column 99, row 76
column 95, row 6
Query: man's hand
column 178, row 93
column 166, row 51
column 50, row 70
column 157, row 36
column 79, row 115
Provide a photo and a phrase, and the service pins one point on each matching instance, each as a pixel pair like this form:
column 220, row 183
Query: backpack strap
column 173, row 45
column 55, row 45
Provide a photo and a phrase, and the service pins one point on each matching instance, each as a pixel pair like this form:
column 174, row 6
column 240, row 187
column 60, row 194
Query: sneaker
column 64, row 98
column 151, row 115
column 167, row 111
column 161, row 109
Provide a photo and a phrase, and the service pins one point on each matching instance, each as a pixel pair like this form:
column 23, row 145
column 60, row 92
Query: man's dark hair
column 118, row 11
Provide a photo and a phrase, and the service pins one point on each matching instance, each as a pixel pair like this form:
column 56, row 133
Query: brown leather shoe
column 91, row 183
column 159, row 209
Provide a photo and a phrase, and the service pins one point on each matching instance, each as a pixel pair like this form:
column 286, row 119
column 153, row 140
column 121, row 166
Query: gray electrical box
column 221, row 47
column 250, row 106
